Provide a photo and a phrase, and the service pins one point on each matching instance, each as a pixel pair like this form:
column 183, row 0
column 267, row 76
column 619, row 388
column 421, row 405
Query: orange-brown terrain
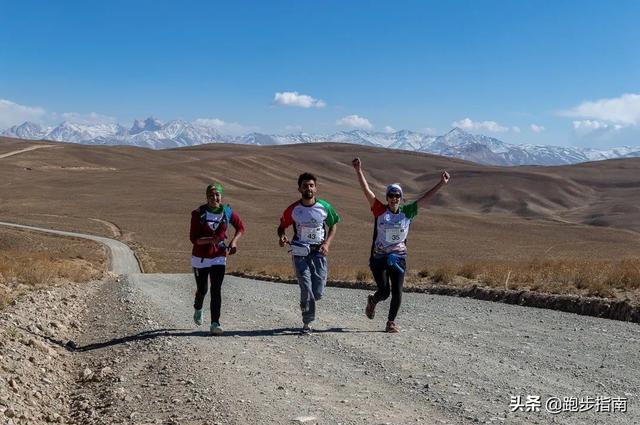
column 562, row 229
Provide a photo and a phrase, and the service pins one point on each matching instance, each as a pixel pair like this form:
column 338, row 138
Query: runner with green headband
column 208, row 232
column 389, row 247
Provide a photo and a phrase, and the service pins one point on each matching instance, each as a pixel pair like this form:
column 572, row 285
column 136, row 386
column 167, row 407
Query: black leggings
column 202, row 280
column 389, row 280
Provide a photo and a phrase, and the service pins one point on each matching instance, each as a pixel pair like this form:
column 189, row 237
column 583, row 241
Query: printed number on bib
column 311, row 234
column 394, row 235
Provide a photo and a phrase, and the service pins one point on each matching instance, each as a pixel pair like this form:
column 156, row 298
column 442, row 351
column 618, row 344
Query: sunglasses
column 394, row 195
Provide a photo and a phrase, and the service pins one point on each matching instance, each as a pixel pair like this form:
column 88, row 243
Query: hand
column 444, row 178
column 283, row 240
column 357, row 164
column 232, row 248
column 324, row 248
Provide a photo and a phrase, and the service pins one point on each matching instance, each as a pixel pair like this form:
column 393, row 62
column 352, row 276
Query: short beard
column 307, row 194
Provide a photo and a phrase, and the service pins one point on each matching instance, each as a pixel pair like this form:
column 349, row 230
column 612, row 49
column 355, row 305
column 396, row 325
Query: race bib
column 394, row 235
column 311, row 235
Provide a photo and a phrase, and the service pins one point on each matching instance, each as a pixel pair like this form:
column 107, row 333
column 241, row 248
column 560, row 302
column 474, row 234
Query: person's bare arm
column 368, row 193
column 424, row 199
column 324, row 248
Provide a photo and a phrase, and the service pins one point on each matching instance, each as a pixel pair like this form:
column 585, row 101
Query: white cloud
column 13, row 114
column 355, row 121
column 515, row 129
column 230, row 128
column 90, row 118
column 469, row 124
column 590, row 125
column 294, row 98
column 623, row 110
column 536, row 128
column 389, row 129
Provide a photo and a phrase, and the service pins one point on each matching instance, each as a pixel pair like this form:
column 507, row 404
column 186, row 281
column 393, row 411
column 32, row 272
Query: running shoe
column 216, row 329
column 391, row 327
column 197, row 316
column 370, row 311
column 306, row 329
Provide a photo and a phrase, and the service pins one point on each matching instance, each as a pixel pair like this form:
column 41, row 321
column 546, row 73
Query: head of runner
column 394, row 196
column 307, row 188
column 214, row 195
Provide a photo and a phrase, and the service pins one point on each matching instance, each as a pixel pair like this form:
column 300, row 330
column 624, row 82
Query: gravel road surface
column 455, row 360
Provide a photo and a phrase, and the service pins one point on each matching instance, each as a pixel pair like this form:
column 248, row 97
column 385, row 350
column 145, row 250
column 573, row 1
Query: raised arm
column 368, row 193
column 424, row 199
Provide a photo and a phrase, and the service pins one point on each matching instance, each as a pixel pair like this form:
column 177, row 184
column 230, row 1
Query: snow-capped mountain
column 457, row 143
column 27, row 130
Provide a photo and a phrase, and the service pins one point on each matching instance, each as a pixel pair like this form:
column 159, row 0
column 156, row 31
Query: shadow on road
column 158, row 333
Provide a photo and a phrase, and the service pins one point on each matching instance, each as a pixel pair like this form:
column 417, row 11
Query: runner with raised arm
column 389, row 248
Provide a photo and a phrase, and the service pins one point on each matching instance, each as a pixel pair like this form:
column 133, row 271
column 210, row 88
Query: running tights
column 390, row 281
column 216, row 274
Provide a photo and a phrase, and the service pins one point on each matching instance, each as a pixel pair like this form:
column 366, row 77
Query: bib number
column 310, row 235
column 394, row 235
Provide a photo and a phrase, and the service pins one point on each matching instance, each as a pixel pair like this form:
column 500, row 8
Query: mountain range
column 457, row 143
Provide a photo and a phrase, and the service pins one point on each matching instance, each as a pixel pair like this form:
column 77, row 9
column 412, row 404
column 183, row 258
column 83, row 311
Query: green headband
column 217, row 186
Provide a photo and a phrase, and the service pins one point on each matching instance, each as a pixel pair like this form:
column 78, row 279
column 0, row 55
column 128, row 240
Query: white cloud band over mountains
column 12, row 113
column 623, row 110
column 469, row 124
column 355, row 121
column 293, row 98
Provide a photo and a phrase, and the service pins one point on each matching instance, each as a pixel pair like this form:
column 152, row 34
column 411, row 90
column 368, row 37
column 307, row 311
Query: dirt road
column 122, row 260
column 30, row 148
column 455, row 361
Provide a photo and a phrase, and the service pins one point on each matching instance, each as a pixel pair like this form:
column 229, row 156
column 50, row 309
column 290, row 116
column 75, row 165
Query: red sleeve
column 236, row 222
column 194, row 230
column 287, row 217
column 378, row 208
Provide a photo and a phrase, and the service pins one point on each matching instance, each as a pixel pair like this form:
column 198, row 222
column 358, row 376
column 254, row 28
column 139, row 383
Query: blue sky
column 552, row 72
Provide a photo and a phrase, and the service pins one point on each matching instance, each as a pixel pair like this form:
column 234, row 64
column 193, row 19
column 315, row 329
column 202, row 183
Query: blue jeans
column 311, row 272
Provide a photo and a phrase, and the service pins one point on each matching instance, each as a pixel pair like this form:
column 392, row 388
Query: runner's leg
column 397, row 282
column 202, row 283
column 379, row 269
column 217, row 276
column 318, row 274
column 303, row 273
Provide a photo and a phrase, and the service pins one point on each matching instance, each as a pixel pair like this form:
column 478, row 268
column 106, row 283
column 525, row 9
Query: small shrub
column 424, row 273
column 443, row 275
column 362, row 276
column 469, row 271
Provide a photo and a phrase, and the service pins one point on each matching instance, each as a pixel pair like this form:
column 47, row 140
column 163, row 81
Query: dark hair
column 306, row 176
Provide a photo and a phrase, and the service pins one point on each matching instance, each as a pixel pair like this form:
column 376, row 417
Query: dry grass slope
column 30, row 260
column 547, row 226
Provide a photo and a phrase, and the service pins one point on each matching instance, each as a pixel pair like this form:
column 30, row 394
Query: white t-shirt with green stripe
column 309, row 221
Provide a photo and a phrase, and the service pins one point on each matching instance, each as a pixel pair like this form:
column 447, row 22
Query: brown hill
column 586, row 211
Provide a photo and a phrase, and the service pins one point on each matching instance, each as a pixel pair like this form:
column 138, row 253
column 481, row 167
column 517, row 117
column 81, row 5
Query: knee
column 384, row 294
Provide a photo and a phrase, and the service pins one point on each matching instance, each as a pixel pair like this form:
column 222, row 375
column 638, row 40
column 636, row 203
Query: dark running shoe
column 306, row 329
column 370, row 310
column 391, row 327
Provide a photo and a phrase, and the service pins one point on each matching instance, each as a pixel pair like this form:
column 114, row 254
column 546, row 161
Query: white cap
column 395, row 188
